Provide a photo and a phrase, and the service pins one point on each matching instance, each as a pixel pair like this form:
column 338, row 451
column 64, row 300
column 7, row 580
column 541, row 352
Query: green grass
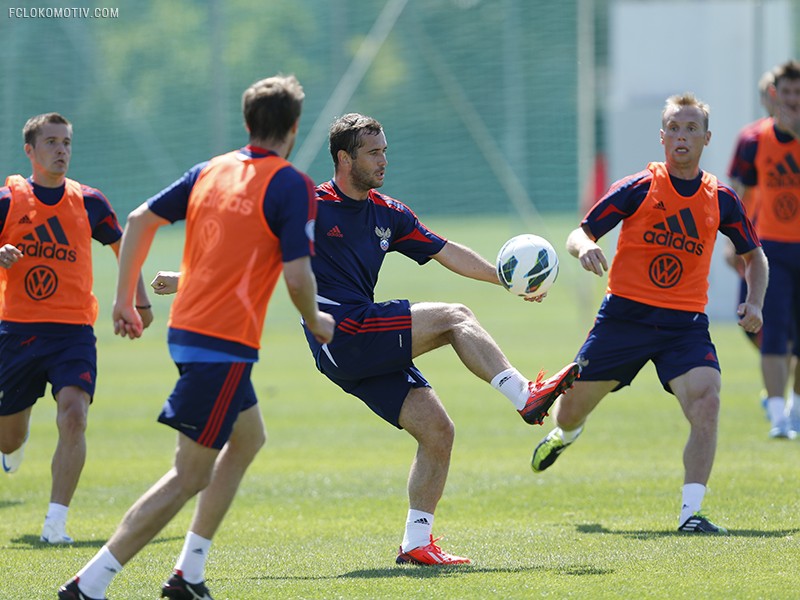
column 322, row 509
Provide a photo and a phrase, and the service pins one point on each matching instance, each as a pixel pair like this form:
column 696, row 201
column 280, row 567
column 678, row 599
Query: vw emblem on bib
column 785, row 207
column 666, row 270
column 41, row 282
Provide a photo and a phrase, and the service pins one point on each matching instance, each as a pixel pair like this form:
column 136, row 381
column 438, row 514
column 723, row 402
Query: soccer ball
column 527, row 265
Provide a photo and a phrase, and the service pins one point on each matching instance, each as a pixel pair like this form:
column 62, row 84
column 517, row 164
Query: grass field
column 322, row 509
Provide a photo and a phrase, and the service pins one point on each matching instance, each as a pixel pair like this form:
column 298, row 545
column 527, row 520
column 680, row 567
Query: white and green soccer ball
column 527, row 265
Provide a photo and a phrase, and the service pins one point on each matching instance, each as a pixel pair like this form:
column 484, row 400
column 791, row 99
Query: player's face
column 50, row 152
column 369, row 165
column 684, row 136
column 787, row 102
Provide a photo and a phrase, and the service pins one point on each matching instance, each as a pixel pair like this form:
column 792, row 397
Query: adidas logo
column 47, row 241
column 673, row 232
column 659, row 205
column 785, row 173
column 198, row 551
column 421, row 521
column 335, row 232
column 25, row 219
column 86, row 376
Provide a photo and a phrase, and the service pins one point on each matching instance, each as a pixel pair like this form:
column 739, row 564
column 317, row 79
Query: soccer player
column 657, row 293
column 734, row 174
column 47, row 308
column 372, row 352
column 249, row 214
column 768, row 167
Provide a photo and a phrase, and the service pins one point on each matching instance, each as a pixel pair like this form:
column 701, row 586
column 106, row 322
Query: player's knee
column 72, row 420
column 705, row 408
column 191, row 482
column 436, row 434
column 10, row 442
column 459, row 313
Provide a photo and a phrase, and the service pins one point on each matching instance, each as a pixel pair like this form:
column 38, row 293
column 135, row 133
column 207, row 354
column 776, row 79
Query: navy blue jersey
column 281, row 210
column 352, row 238
column 102, row 218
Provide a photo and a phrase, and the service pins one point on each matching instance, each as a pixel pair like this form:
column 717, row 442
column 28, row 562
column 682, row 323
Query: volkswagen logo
column 666, row 270
column 41, row 282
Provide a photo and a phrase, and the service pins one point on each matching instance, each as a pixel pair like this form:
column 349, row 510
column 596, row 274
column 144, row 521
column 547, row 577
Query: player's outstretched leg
column 550, row 448
column 431, row 554
column 542, row 393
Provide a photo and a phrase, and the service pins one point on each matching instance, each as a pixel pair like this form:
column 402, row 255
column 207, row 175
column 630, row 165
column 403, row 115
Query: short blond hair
column 682, row 100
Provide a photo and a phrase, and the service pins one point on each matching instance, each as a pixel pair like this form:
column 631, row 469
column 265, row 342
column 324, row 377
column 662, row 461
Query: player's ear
column 344, row 157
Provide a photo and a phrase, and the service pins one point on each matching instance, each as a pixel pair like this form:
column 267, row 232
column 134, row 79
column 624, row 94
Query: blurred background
column 524, row 108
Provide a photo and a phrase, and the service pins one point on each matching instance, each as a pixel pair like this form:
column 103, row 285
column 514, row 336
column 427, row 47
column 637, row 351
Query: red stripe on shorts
column 221, row 405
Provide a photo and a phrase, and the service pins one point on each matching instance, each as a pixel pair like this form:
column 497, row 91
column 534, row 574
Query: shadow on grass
column 33, row 541
column 9, row 503
column 650, row 535
column 418, row 572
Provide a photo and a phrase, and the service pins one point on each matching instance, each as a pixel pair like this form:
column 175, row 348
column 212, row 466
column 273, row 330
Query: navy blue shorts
column 29, row 362
column 207, row 401
column 617, row 349
column 782, row 302
column 370, row 356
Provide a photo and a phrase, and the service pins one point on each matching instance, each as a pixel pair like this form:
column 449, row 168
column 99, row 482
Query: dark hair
column 34, row 126
column 347, row 131
column 788, row 70
column 272, row 106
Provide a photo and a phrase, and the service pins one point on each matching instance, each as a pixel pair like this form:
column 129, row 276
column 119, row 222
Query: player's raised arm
column 466, row 262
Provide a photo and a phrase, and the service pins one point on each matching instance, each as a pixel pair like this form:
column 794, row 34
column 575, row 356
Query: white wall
column 717, row 49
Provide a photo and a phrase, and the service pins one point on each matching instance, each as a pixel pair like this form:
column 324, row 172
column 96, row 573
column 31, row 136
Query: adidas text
column 670, row 240
column 42, row 250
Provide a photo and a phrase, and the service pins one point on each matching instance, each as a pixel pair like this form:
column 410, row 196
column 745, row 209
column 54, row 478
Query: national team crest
column 384, row 235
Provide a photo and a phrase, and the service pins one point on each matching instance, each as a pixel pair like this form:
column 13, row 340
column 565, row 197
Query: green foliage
column 321, row 511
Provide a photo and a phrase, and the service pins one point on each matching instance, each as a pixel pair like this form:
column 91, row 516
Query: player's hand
column 322, row 328
column 593, row 259
column 538, row 298
column 127, row 322
column 165, row 282
column 750, row 318
column 9, row 254
column 146, row 314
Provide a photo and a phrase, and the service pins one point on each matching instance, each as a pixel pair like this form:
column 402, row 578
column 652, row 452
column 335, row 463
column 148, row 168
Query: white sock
column 776, row 409
column 513, row 386
column 569, row 436
column 56, row 513
column 693, row 494
column 96, row 575
column 419, row 526
column 192, row 561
